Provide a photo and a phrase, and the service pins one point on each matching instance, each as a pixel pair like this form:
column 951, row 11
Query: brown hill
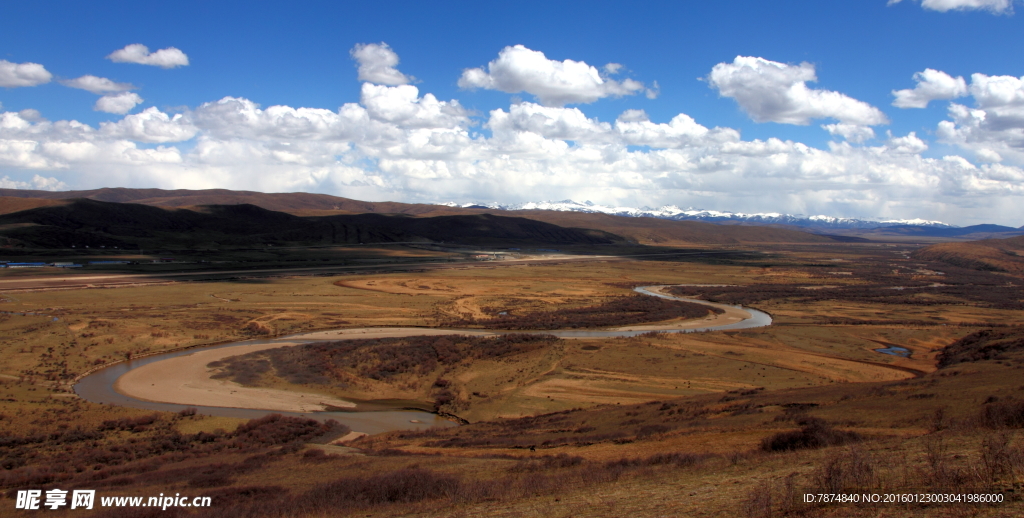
column 1004, row 255
column 9, row 204
column 291, row 202
column 84, row 222
column 648, row 231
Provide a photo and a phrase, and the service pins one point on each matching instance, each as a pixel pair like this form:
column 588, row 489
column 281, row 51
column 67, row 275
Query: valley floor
column 706, row 424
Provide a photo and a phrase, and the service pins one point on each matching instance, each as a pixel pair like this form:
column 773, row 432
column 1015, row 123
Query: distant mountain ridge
column 711, row 216
column 666, row 225
column 819, row 224
column 308, row 205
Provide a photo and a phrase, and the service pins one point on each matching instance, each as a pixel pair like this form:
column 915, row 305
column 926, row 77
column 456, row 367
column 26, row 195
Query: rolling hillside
column 653, row 231
column 11, row 204
column 292, row 202
column 649, row 231
column 1005, row 255
column 93, row 223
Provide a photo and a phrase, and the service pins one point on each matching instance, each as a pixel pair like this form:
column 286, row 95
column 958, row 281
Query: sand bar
column 185, row 380
column 730, row 315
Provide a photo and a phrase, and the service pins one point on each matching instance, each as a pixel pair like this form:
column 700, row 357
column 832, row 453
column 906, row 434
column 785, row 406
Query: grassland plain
column 694, row 425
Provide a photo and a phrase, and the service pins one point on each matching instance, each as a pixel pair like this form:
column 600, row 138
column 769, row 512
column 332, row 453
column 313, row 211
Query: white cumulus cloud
column 138, row 53
column 1002, row 95
column 932, row 85
column 121, row 103
column 150, row 126
column 994, row 129
column 377, row 64
column 908, row 145
column 97, row 85
column 776, row 92
column 13, row 75
column 554, row 83
column 851, row 132
column 39, row 183
column 233, row 118
column 994, row 6
column 30, row 114
column 403, row 105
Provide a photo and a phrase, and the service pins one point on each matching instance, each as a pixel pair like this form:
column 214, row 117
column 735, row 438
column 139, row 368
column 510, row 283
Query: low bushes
column 98, row 457
column 619, row 311
column 815, row 433
column 983, row 345
column 1008, row 414
column 379, row 359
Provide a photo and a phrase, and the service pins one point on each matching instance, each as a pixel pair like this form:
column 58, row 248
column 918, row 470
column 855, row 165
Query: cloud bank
column 400, row 143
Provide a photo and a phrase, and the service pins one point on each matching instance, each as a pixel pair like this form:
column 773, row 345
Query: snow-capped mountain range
column 711, row 216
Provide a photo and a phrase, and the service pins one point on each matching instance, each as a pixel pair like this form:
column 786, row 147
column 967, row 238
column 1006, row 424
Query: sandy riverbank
column 730, row 315
column 185, row 380
column 386, row 332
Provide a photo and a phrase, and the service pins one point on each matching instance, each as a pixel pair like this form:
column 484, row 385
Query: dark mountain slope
column 92, row 223
column 641, row 230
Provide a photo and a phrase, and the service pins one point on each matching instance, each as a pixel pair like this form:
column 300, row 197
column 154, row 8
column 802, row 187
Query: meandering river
column 102, row 386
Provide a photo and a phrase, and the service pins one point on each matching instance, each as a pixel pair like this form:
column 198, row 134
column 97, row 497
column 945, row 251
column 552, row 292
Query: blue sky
column 753, row 88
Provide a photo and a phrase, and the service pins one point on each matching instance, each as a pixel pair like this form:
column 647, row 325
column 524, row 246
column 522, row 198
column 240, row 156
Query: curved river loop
column 101, row 385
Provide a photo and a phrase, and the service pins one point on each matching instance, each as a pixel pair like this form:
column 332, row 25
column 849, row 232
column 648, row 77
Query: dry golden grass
column 602, row 400
column 990, row 254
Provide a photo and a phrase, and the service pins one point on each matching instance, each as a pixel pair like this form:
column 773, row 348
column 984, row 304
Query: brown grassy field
column 990, row 254
column 704, row 424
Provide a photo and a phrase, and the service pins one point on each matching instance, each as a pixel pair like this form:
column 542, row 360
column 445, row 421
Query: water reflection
column 895, row 351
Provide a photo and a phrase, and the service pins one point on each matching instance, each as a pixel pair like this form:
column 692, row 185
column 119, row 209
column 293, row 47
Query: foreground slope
column 707, row 424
